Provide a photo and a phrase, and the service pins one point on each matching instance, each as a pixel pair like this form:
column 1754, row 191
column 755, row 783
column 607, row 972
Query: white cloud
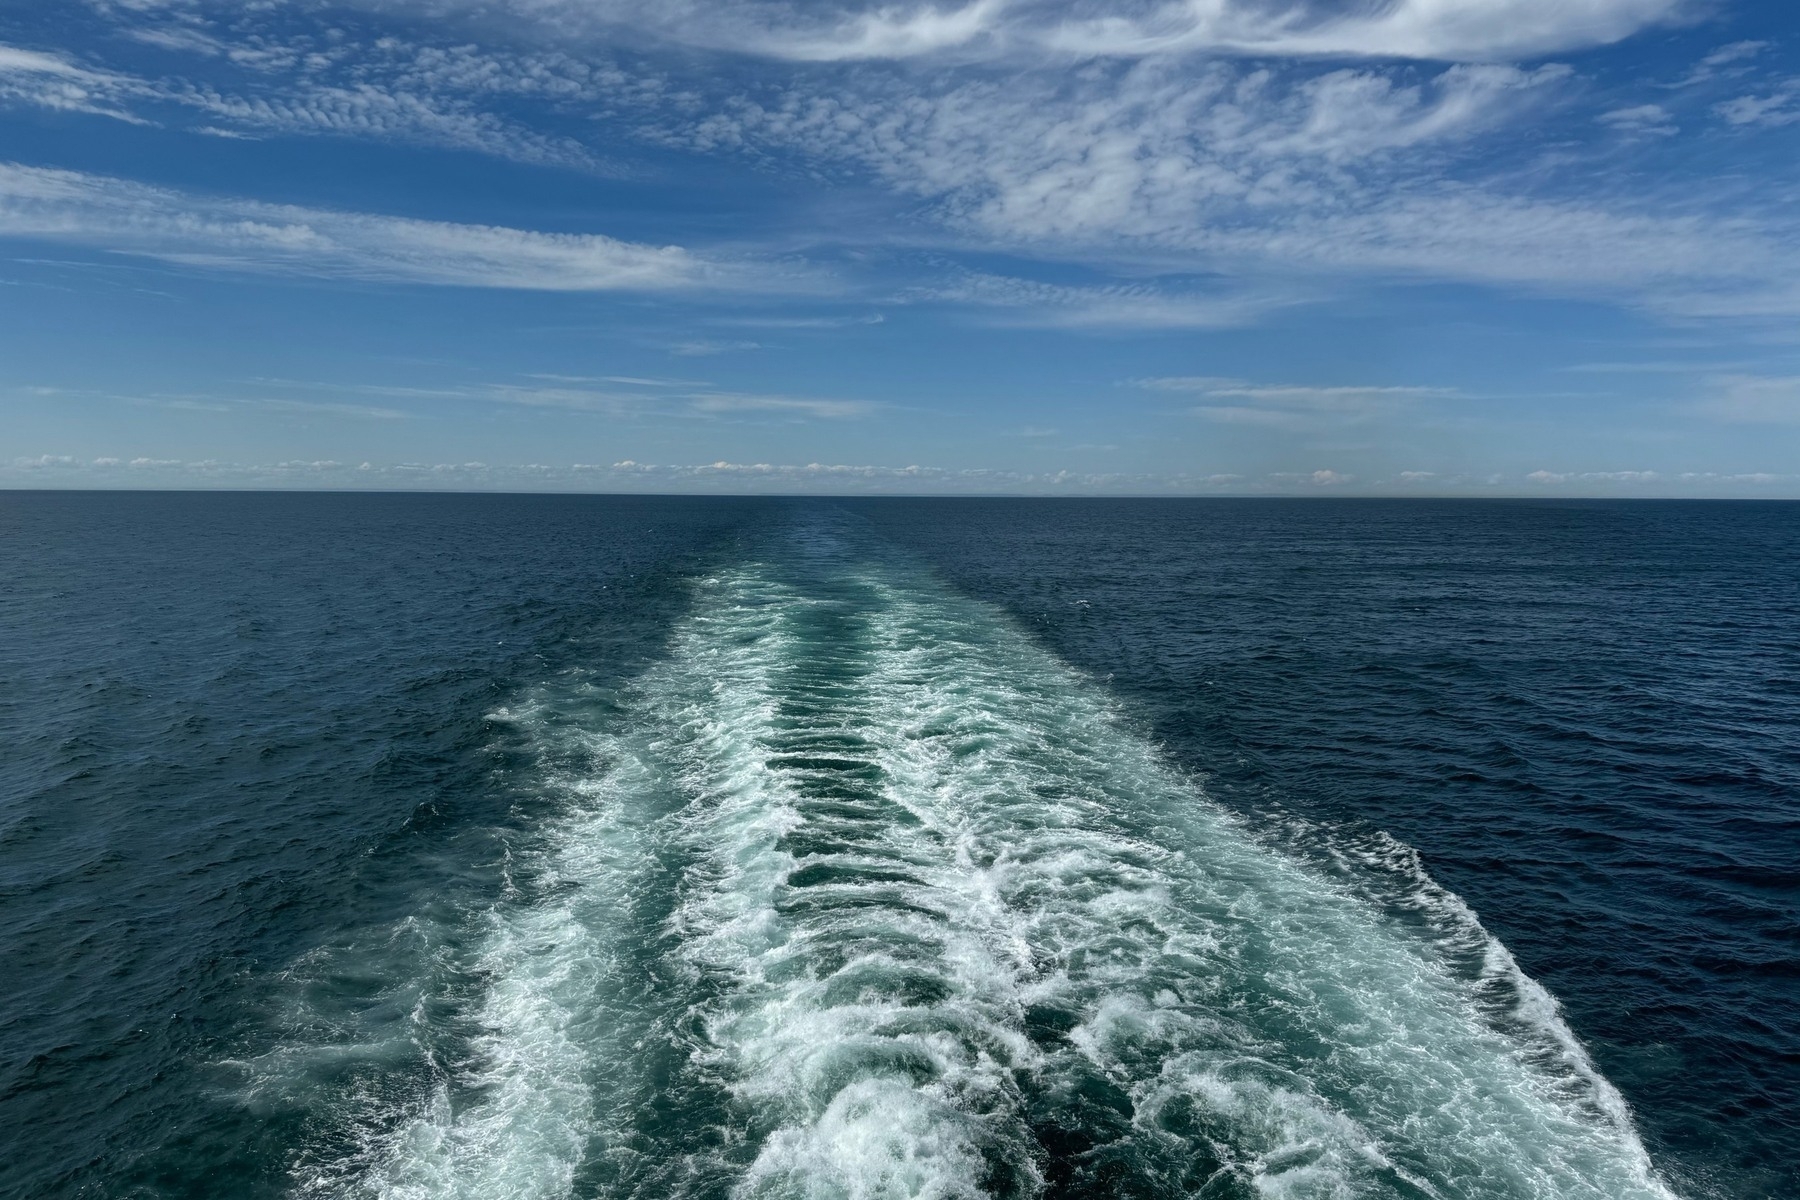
column 727, row 476
column 1155, row 155
column 54, row 82
column 1779, row 107
column 886, row 32
column 852, row 477
column 624, row 396
column 1727, row 60
column 1754, row 399
column 1652, row 120
column 1153, row 152
column 397, row 93
column 1034, row 304
column 701, row 348
column 179, row 37
column 1732, row 53
column 246, row 235
column 1552, row 478
column 627, row 380
column 1244, row 174
column 800, row 323
column 1292, row 406
column 1002, row 29
column 1431, row 29
column 1682, row 263
column 381, row 109
column 736, row 402
column 1291, row 395
column 18, row 62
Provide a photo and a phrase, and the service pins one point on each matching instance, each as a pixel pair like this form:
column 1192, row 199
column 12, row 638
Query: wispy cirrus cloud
column 1155, row 153
column 1640, row 120
column 1300, row 183
column 1776, row 107
column 639, row 398
column 243, row 235
column 1726, row 61
column 1752, row 399
column 1285, row 179
column 710, row 347
column 990, row 30
column 393, row 91
column 1291, row 406
column 1028, row 303
column 796, row 406
column 617, row 396
column 56, row 82
column 379, row 113
column 1304, row 177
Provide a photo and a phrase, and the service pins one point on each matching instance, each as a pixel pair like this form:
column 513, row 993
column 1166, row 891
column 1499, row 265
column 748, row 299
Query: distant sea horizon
column 1310, row 495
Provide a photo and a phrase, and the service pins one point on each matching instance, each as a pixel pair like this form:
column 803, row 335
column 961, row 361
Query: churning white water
column 861, row 894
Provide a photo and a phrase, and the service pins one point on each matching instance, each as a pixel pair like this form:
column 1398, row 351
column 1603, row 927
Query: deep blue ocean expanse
column 503, row 846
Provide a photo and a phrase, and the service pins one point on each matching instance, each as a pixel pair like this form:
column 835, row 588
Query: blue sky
column 1541, row 247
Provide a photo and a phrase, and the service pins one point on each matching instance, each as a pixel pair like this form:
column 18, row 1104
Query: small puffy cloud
column 1323, row 478
column 1596, row 477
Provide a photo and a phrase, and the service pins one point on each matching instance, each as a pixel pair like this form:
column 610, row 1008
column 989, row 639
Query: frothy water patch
column 861, row 894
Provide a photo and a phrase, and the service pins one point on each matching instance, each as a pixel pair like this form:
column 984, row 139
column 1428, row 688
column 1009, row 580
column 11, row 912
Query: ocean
column 413, row 846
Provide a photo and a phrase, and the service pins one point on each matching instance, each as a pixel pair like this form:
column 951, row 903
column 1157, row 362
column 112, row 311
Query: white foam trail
column 867, row 1009
column 941, row 925
column 528, row 1132
column 548, row 1075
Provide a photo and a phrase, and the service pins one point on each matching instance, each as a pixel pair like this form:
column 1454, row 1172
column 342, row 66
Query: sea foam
column 862, row 894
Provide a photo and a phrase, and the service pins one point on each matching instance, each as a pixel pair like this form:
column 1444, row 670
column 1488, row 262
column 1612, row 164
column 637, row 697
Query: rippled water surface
column 411, row 846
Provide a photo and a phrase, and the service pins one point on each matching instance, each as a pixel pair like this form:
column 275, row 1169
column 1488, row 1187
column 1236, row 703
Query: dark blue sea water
column 455, row 846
